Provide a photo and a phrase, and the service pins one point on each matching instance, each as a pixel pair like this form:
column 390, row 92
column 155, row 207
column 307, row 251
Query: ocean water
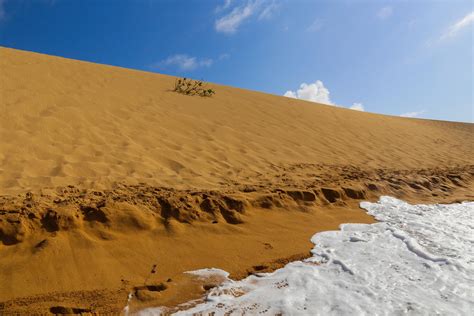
column 417, row 260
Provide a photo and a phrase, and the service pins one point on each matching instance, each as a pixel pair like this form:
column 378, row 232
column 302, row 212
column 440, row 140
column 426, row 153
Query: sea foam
column 417, row 260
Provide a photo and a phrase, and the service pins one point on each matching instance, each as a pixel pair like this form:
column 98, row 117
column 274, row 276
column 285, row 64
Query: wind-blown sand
column 105, row 172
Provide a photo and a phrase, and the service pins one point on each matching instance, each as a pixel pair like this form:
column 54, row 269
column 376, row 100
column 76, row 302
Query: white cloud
column 454, row 29
column 385, row 12
column 231, row 21
column 413, row 114
column 223, row 7
column 315, row 26
column 357, row 106
column 315, row 92
column 183, row 62
column 268, row 11
column 290, row 94
column 224, row 56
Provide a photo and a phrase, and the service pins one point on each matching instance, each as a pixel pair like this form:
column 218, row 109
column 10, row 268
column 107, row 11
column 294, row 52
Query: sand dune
column 68, row 122
column 105, row 172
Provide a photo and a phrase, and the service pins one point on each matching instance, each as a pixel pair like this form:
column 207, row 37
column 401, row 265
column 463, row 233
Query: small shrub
column 192, row 87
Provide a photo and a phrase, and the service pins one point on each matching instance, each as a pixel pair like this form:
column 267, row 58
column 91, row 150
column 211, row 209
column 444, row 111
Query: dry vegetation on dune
column 192, row 87
column 111, row 183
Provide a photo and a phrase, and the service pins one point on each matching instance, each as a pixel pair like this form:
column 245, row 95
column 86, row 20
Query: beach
column 416, row 260
column 111, row 183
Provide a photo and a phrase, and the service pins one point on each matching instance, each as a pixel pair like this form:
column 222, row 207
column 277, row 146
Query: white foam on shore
column 210, row 272
column 418, row 260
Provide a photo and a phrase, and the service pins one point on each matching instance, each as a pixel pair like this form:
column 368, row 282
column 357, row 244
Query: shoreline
column 200, row 287
column 337, row 252
column 250, row 236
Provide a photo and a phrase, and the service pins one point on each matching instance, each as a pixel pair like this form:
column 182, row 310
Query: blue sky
column 393, row 57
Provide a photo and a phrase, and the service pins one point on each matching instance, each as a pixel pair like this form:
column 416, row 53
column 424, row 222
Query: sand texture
column 111, row 184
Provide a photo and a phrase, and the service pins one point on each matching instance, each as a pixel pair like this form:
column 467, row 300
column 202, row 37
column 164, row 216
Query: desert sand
column 111, row 183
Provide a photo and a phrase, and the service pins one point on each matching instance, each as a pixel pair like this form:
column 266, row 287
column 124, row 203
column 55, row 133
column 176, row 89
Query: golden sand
column 105, row 173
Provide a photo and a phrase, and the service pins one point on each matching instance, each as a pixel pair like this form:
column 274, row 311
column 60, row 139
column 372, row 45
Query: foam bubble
column 209, row 272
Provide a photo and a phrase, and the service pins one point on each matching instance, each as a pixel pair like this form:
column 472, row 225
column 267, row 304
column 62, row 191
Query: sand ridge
column 128, row 208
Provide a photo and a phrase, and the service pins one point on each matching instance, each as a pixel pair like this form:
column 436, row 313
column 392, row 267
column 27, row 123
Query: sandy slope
column 249, row 177
column 68, row 122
